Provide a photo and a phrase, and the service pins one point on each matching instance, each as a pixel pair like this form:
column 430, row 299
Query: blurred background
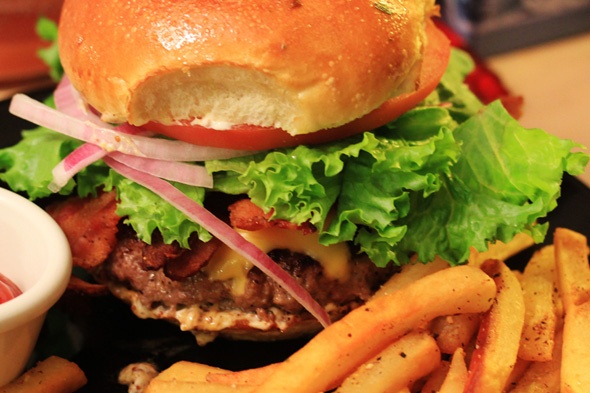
column 20, row 67
column 540, row 49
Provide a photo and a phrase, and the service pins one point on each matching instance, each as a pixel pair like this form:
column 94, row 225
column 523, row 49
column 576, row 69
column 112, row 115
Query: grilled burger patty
column 197, row 303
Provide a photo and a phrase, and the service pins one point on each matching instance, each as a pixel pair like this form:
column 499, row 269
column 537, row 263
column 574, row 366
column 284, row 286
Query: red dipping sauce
column 8, row 289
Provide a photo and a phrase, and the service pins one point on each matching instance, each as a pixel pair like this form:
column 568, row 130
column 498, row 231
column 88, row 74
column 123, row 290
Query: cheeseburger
column 257, row 169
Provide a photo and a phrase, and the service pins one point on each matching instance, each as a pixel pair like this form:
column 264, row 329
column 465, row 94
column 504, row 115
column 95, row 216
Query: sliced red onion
column 74, row 163
column 111, row 140
column 226, row 234
column 191, row 174
column 69, row 101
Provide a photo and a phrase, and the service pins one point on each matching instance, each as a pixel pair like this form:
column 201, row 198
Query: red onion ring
column 112, row 140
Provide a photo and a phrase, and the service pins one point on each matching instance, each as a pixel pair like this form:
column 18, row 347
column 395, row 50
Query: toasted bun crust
column 299, row 65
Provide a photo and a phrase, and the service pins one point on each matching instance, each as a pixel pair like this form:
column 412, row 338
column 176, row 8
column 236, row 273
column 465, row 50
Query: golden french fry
column 536, row 341
column 52, row 375
column 168, row 386
column 182, row 375
column 542, row 377
column 543, row 263
column 454, row 331
column 571, row 259
column 337, row 351
column 576, row 349
column 436, row 377
column 518, row 370
column 457, row 376
column 410, row 273
column 499, row 333
column 539, row 282
column 188, row 371
column 252, row 376
column 413, row 356
column 502, row 251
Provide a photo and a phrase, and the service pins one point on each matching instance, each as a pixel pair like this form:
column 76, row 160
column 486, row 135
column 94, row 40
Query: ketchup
column 8, row 289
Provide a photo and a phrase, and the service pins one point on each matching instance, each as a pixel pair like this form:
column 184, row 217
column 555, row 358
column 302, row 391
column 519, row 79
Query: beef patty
column 136, row 272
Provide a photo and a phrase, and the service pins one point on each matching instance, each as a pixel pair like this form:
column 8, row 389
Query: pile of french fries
column 481, row 327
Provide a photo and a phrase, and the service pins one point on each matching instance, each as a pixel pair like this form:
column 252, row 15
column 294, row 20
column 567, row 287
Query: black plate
column 102, row 336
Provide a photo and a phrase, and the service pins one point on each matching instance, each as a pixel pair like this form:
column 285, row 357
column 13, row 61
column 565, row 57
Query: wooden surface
column 554, row 79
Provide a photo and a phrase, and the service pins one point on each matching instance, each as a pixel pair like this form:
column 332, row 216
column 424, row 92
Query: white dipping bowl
column 35, row 255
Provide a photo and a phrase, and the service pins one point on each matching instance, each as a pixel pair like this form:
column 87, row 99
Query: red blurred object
column 8, row 289
column 483, row 81
column 19, row 41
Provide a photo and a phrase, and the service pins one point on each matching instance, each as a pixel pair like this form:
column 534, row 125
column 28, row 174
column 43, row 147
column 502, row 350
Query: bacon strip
column 90, row 225
column 193, row 260
column 245, row 215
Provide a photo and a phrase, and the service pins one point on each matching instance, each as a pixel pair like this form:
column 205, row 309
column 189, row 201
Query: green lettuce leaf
column 47, row 30
column 27, row 165
column 146, row 212
column 505, row 180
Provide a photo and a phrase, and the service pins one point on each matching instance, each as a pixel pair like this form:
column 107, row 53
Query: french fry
column 454, row 331
column 361, row 334
column 542, row 305
column 410, row 273
column 571, row 258
column 457, row 375
column 542, row 377
column 502, row 251
column 436, row 377
column 543, row 263
column 188, row 371
column 52, row 375
column 252, row 376
column 168, row 386
column 413, row 356
column 499, row 333
column 518, row 370
column 536, row 341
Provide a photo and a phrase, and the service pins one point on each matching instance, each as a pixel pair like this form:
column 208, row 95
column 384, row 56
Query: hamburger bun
column 297, row 65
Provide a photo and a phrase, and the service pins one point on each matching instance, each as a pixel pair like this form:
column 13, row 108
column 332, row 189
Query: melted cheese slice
column 227, row 264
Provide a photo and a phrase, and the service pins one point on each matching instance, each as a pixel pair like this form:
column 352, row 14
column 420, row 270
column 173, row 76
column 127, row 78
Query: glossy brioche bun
column 299, row 65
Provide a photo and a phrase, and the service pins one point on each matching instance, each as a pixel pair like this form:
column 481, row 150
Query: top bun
column 299, row 65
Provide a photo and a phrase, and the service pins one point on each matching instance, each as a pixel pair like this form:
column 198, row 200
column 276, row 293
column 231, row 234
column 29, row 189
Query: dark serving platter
column 102, row 336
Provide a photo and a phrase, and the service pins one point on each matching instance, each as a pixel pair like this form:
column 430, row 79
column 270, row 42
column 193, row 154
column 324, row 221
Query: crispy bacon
column 90, row 225
column 76, row 284
column 244, row 214
column 157, row 254
column 191, row 261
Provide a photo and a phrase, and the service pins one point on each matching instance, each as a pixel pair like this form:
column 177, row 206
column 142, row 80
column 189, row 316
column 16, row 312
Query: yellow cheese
column 227, row 264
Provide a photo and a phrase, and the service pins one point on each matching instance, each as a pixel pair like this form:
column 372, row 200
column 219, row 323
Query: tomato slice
column 249, row 137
